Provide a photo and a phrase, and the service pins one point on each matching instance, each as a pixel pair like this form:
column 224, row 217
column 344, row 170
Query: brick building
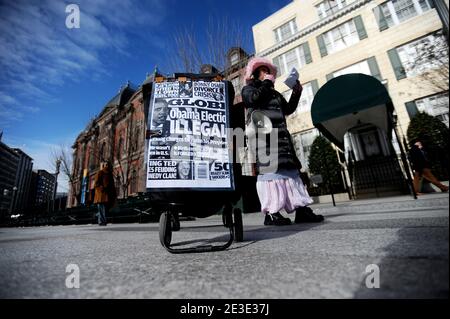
column 237, row 60
column 117, row 135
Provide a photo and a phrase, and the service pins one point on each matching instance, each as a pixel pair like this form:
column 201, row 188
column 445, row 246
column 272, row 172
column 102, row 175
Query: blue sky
column 54, row 79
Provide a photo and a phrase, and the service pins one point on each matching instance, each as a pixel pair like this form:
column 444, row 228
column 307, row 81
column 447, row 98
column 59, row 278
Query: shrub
column 434, row 136
column 323, row 160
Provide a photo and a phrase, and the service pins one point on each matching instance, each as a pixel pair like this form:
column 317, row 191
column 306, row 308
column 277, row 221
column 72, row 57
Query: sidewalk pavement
column 406, row 239
column 395, row 203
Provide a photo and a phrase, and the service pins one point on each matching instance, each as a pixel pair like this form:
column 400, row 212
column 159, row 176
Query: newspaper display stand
column 189, row 159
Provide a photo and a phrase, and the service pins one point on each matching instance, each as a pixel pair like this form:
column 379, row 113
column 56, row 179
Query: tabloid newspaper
column 189, row 147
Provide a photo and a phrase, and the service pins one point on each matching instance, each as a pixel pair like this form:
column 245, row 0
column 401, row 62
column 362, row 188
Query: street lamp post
column 403, row 157
column 4, row 207
column 55, row 185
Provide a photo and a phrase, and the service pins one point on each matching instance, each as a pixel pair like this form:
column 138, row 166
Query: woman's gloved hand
column 297, row 87
column 269, row 77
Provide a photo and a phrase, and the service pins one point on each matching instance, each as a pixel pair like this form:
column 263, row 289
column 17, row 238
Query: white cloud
column 39, row 53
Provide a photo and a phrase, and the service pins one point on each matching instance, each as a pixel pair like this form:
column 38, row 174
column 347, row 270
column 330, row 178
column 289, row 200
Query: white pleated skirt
column 284, row 193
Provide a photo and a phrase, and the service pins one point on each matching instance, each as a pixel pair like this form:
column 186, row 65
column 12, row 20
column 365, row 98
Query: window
column 285, row 31
column 328, row 7
column 76, row 166
column 307, row 97
column 80, row 168
column 137, row 135
column 361, row 67
column 291, row 60
column 134, row 182
column 118, row 185
column 303, row 142
column 423, row 54
column 394, row 12
column 341, row 37
column 91, row 158
column 237, row 85
column 234, row 58
column 368, row 67
column 304, row 105
column 296, row 57
column 119, row 148
column 102, row 151
column 436, row 105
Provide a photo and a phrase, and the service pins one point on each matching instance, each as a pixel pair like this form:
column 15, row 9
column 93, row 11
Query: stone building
column 22, row 182
column 9, row 161
column 325, row 40
column 15, row 178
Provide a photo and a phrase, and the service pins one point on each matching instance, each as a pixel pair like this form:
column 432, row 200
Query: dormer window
column 234, row 58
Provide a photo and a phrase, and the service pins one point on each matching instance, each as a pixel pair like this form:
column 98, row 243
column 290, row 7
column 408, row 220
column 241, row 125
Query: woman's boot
column 276, row 219
column 306, row 215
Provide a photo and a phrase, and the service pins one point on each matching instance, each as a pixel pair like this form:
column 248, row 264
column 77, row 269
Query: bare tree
column 220, row 34
column 63, row 156
column 431, row 63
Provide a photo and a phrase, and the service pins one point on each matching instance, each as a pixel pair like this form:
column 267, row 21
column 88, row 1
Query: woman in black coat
column 278, row 184
column 422, row 168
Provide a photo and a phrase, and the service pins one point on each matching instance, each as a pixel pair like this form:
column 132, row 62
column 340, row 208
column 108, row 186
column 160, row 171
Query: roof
column 119, row 99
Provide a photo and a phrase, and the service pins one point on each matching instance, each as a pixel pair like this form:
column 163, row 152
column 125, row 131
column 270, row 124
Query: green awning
column 349, row 100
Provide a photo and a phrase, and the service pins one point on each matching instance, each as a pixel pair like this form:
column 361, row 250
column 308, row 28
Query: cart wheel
column 224, row 222
column 165, row 229
column 227, row 218
column 238, row 225
column 175, row 222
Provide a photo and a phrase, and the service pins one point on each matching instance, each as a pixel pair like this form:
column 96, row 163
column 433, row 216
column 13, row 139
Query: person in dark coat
column 105, row 192
column 279, row 185
column 422, row 167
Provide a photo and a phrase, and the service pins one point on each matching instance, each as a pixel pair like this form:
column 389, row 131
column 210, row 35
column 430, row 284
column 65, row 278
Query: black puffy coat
column 261, row 95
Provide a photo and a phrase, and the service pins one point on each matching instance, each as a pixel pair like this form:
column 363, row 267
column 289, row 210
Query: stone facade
column 374, row 46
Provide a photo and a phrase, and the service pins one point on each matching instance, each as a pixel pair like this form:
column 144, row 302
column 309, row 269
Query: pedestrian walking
column 105, row 192
column 422, row 167
column 279, row 185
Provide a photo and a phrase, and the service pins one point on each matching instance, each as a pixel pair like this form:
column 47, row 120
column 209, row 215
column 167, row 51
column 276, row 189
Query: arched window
column 134, row 182
column 118, row 185
column 81, row 167
column 119, row 148
column 91, row 158
column 136, row 138
column 102, row 152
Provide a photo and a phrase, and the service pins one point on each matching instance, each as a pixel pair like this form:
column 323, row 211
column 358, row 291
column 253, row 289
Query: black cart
column 175, row 203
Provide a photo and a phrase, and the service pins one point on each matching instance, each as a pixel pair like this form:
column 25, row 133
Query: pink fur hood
column 255, row 63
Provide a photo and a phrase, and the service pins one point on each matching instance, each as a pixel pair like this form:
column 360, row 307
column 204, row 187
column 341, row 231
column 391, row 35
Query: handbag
column 257, row 123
